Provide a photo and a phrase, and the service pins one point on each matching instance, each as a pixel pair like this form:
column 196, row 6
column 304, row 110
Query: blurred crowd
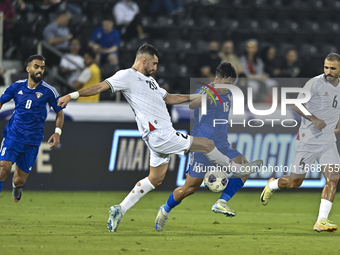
column 90, row 57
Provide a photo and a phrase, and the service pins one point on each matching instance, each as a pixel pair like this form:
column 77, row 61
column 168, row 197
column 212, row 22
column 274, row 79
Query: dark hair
column 107, row 17
column 226, row 70
column 90, row 52
column 31, row 58
column 333, row 56
column 74, row 38
column 147, row 49
column 291, row 49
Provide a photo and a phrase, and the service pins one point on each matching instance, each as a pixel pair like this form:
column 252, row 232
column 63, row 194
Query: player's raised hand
column 54, row 140
column 320, row 124
column 63, row 101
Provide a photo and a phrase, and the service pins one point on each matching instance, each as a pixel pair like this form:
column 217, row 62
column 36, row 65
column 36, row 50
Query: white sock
column 141, row 188
column 164, row 212
column 216, row 156
column 325, row 208
column 274, row 185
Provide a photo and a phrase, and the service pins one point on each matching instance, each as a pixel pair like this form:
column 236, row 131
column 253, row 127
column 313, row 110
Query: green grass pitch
column 74, row 223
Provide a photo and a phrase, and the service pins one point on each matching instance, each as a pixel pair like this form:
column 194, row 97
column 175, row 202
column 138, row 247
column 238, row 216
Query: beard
column 149, row 72
column 35, row 78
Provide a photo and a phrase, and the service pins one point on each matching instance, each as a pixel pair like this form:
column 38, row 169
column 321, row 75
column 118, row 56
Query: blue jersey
column 106, row 40
column 31, row 107
column 204, row 125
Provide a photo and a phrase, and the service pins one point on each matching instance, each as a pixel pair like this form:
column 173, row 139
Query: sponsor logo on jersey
column 326, row 94
column 140, row 79
column 20, row 92
column 38, row 94
column 211, row 95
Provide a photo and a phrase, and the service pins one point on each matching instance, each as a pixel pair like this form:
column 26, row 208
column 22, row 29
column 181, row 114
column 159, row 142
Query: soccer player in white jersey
column 316, row 141
column 148, row 102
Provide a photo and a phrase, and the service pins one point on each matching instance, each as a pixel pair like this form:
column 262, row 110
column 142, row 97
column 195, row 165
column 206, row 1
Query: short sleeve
column 119, row 81
column 85, row 76
column 163, row 92
column 8, row 94
column 94, row 37
column 116, row 39
column 48, row 33
column 63, row 62
column 53, row 100
column 310, row 87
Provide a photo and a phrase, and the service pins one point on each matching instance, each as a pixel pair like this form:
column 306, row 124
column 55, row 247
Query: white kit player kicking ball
column 148, row 101
column 316, row 141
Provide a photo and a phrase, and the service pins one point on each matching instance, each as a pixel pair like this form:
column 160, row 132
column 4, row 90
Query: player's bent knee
column 4, row 169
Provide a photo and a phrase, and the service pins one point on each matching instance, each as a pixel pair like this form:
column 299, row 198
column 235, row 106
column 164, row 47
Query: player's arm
column 320, row 124
column 56, row 40
column 197, row 102
column 8, row 95
column 178, row 98
column 336, row 131
column 59, row 122
column 77, row 85
column 85, row 92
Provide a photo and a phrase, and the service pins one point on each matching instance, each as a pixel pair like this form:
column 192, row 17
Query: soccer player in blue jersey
column 203, row 127
column 25, row 130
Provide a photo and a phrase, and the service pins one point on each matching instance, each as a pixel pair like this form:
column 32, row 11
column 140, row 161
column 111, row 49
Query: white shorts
column 164, row 142
column 306, row 155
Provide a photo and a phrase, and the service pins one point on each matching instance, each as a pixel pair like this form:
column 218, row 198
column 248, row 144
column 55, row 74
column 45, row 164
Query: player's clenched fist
column 63, row 101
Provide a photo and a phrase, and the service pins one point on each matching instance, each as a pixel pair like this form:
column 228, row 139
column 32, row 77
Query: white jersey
column 145, row 97
column 325, row 105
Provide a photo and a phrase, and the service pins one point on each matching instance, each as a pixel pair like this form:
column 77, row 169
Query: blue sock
column 1, row 185
column 233, row 186
column 171, row 203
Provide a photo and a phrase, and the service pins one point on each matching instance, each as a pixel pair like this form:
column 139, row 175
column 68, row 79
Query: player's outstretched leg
column 291, row 181
column 242, row 170
column 115, row 217
column 207, row 146
column 221, row 205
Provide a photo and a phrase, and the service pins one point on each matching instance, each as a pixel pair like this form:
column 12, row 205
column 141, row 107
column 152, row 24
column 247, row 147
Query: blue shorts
column 199, row 163
column 24, row 155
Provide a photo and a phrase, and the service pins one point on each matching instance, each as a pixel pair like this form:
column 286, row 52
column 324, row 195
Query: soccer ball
column 216, row 181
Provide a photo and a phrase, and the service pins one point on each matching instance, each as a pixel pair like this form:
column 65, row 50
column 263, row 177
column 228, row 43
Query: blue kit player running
column 25, row 130
column 203, row 127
